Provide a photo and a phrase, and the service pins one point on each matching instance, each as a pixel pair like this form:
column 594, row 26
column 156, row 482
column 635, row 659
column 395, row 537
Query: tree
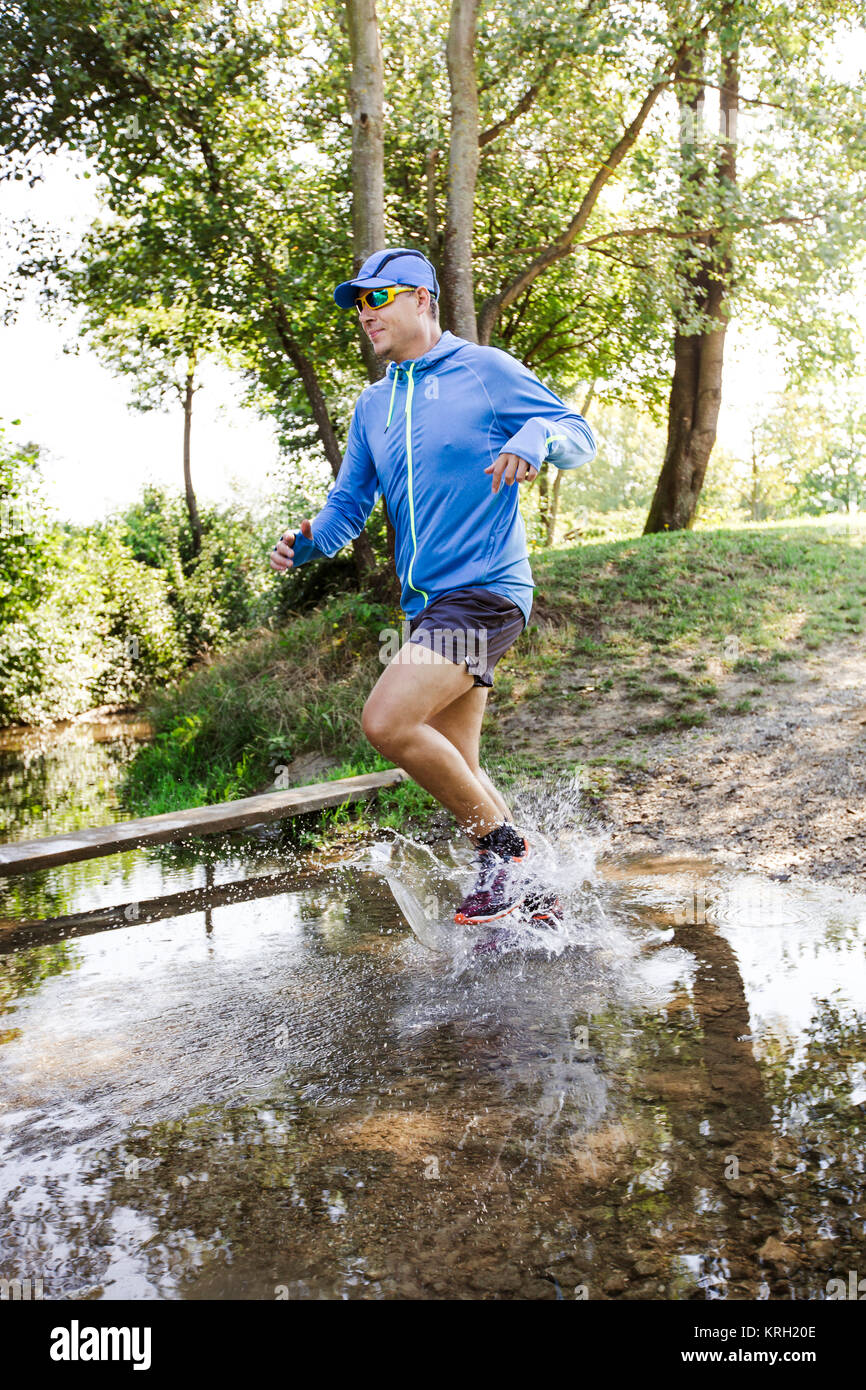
column 224, row 134
column 23, row 519
column 696, row 389
column 177, row 109
column 818, row 442
column 212, row 111
column 81, row 622
column 366, row 105
column 463, row 158
column 774, row 226
column 144, row 322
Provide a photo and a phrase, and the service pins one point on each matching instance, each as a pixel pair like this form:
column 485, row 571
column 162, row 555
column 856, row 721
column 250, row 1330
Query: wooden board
column 27, row 855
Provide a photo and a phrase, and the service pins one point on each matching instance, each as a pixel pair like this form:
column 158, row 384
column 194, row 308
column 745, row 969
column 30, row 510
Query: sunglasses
column 378, row 299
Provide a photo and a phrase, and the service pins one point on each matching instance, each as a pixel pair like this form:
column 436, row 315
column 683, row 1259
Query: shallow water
column 64, row 776
column 230, row 1073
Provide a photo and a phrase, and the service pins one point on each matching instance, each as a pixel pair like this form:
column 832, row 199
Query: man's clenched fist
column 282, row 553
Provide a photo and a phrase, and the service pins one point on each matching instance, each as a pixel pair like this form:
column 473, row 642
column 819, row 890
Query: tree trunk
column 366, row 104
column 696, row 397
column 544, row 503
column 434, row 236
column 362, row 550
column 191, row 506
column 554, row 507
column 696, row 389
column 458, row 290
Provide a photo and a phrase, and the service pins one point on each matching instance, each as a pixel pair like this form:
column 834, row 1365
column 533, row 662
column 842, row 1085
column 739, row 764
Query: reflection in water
column 63, row 778
column 279, row 1092
column 56, row 780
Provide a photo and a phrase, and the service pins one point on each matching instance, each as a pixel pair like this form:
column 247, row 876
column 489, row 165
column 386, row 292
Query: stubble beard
column 389, row 355
column 383, row 353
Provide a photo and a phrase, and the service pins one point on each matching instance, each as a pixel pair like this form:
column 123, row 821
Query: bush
column 101, row 633
column 227, row 586
column 96, row 614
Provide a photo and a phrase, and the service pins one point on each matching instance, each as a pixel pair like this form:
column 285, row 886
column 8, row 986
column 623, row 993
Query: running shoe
column 496, row 892
column 543, row 905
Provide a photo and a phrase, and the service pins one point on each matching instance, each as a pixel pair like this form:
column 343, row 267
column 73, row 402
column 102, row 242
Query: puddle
column 64, row 777
column 272, row 1089
column 226, row 1072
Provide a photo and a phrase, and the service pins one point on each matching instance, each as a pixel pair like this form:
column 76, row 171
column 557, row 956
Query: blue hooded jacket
column 423, row 436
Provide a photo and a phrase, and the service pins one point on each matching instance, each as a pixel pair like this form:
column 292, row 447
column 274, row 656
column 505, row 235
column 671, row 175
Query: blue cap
column 401, row 267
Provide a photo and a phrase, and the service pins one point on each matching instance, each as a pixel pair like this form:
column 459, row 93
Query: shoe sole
column 465, row 921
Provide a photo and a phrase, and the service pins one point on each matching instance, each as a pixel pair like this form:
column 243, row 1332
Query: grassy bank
column 650, row 617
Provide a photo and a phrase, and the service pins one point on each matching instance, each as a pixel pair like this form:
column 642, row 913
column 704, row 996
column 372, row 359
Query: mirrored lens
column 375, row 299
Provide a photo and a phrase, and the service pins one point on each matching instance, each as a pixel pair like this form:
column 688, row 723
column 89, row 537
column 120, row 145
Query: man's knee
column 379, row 725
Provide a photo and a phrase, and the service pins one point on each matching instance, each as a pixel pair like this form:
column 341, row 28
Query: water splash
column 565, row 846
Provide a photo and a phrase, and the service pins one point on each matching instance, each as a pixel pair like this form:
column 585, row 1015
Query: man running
column 438, row 435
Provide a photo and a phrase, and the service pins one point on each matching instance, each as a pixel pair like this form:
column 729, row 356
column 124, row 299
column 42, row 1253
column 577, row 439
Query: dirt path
column 780, row 788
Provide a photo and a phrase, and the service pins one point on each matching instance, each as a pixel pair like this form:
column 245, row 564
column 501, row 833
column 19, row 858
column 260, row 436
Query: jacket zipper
column 410, row 391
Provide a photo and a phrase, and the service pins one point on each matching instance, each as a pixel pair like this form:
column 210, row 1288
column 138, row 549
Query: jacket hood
column 446, row 345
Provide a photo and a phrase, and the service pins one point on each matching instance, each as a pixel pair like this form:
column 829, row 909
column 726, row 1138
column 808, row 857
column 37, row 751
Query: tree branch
column 717, row 87
column 570, row 345
column 520, row 109
column 515, row 323
column 695, row 233
column 562, row 245
column 533, row 347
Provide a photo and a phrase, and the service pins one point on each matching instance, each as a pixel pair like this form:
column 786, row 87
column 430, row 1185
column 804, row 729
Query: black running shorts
column 474, row 626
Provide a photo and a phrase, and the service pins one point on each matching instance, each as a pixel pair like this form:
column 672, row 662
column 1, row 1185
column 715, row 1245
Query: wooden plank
column 27, row 855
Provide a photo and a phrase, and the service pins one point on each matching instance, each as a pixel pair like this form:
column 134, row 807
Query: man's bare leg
column 416, row 686
column 460, row 722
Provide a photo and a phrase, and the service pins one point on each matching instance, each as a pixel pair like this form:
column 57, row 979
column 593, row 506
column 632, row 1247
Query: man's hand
column 281, row 555
column 513, row 469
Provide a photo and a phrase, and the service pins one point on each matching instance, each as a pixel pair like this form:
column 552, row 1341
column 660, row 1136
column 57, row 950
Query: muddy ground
column 780, row 788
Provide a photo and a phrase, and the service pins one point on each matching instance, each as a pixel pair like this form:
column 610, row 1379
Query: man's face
column 394, row 327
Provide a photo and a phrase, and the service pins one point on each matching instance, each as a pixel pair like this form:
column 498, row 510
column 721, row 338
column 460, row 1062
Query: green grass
column 673, row 593
column 626, row 614
column 226, row 730
column 747, row 597
column 680, row 719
